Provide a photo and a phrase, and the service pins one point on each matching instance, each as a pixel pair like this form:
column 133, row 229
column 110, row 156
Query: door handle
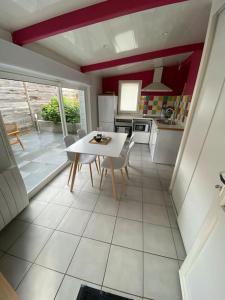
column 219, row 187
column 222, row 177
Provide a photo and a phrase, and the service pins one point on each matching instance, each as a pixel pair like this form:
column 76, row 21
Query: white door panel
column 203, row 114
column 202, row 190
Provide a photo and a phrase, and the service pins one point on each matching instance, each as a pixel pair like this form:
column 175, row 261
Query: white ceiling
column 159, row 28
column 16, row 14
column 143, row 66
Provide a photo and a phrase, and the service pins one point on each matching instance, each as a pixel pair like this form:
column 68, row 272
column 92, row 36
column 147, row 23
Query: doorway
column 35, row 126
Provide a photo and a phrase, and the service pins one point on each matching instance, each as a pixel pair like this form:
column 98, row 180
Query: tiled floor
column 37, row 161
column 131, row 247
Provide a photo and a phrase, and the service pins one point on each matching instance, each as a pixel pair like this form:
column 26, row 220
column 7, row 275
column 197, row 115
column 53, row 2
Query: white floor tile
column 129, row 234
column 172, row 217
column 107, row 205
column 85, row 201
column 153, row 196
column 132, row 193
column 39, row 284
column 125, row 271
column 51, row 216
column 11, row 232
column 130, row 210
column 65, row 197
column 179, row 244
column 100, row 227
column 31, row 242
column 13, row 269
column 70, row 288
column 32, row 211
column 74, row 221
column 58, row 251
column 159, row 240
column 155, row 214
column 47, row 193
column 89, row 261
column 161, row 280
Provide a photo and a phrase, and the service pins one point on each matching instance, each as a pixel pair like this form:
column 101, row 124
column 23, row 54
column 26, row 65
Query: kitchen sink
column 167, row 122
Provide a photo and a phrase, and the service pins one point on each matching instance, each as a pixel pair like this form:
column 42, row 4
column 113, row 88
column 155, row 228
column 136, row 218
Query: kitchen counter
column 177, row 127
column 136, row 117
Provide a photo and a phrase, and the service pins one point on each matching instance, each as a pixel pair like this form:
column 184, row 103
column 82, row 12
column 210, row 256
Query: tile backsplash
column 153, row 105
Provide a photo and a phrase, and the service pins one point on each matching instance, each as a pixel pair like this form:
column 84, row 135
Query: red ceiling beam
column 83, row 17
column 142, row 57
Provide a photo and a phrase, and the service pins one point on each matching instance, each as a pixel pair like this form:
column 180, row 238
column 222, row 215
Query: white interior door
column 201, row 193
column 203, row 272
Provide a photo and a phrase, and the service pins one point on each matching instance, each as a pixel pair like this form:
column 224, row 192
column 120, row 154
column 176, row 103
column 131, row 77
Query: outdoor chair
column 13, row 134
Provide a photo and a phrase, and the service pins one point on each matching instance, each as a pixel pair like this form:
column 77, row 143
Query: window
column 129, row 95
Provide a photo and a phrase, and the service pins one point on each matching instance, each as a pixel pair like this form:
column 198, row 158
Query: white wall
column 18, row 59
column 190, row 208
column 5, row 35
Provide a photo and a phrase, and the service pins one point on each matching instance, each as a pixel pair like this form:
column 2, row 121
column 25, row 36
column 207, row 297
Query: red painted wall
column 180, row 78
column 192, row 63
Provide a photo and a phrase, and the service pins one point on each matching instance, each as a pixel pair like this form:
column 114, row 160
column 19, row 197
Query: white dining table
column 111, row 150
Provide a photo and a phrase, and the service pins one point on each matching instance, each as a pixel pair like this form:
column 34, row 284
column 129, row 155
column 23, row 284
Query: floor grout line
column 138, row 164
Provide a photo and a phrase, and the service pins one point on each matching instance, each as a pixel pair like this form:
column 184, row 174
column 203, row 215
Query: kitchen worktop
column 136, row 117
column 176, row 127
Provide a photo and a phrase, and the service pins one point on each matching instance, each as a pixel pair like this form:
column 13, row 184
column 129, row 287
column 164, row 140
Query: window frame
column 138, row 96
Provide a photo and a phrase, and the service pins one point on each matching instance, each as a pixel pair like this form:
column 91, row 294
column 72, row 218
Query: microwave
column 141, row 127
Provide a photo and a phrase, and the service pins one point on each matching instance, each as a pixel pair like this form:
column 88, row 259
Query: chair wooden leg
column 123, row 179
column 74, row 170
column 97, row 167
column 91, row 174
column 19, row 141
column 105, row 172
column 71, row 167
column 126, row 170
column 113, row 178
column 80, row 167
column 99, row 163
column 101, row 179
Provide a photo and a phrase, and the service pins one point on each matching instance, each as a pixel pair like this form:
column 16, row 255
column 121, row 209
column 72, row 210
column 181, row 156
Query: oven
column 143, row 127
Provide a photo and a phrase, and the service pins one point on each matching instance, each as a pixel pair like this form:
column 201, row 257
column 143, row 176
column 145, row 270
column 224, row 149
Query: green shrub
column 50, row 111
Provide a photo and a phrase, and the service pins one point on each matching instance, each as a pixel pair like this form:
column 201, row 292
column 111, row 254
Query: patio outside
column 32, row 109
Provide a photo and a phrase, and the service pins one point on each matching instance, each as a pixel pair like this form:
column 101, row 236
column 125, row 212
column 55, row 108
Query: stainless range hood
column 157, row 85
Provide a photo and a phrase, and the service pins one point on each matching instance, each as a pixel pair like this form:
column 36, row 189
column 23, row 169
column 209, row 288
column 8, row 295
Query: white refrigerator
column 107, row 110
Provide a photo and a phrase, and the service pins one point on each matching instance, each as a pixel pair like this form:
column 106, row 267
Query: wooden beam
column 142, row 57
column 83, row 17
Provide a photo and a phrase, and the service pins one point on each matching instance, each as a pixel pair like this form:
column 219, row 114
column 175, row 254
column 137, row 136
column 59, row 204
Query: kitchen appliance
column 141, row 127
column 107, row 109
column 124, row 126
column 157, row 85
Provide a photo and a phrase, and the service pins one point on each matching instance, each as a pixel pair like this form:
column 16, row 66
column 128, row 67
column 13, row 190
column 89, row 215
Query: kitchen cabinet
column 164, row 144
column 141, row 137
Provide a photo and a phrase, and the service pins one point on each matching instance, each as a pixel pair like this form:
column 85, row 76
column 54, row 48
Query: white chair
column 84, row 159
column 119, row 163
column 126, row 146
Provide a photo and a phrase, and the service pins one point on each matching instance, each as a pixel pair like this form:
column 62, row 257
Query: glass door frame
column 59, row 85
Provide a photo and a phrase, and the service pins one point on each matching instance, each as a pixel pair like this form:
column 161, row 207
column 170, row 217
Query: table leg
column 76, row 160
column 113, row 178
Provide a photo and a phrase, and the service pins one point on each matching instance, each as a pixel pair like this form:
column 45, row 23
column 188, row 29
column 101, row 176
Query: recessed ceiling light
column 165, row 33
